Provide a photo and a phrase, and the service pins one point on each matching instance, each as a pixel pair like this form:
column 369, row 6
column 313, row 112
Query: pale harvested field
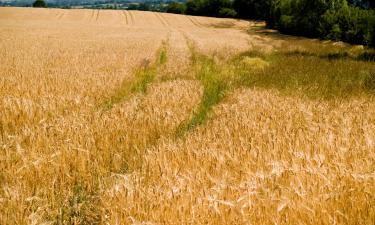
column 77, row 146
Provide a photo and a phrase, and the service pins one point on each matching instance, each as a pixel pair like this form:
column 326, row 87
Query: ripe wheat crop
column 128, row 117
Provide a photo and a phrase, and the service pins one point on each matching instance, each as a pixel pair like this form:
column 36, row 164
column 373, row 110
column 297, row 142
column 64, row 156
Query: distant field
column 129, row 117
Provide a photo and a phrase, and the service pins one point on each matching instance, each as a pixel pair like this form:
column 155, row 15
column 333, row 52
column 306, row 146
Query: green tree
column 177, row 8
column 144, row 7
column 194, row 7
column 132, row 6
column 207, row 7
column 39, row 4
column 252, row 9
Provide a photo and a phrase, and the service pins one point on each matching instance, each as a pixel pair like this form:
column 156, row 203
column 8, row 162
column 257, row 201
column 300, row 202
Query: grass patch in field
column 144, row 75
column 342, row 54
column 162, row 56
column 81, row 207
column 213, row 79
column 143, row 78
column 369, row 82
column 310, row 75
column 319, row 76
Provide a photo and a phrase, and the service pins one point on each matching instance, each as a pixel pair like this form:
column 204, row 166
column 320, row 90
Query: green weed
column 213, row 79
column 80, row 208
column 369, row 82
column 309, row 75
column 144, row 75
column 325, row 75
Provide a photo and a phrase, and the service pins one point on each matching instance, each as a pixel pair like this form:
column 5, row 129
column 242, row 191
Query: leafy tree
column 132, row 7
column 193, row 7
column 301, row 17
column 39, row 4
column 207, row 7
column 347, row 20
column 252, row 9
column 177, row 8
column 143, row 7
column 355, row 25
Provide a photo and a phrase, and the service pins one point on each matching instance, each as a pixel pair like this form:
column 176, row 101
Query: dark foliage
column 351, row 21
column 176, row 7
column 334, row 19
column 252, row 9
column 39, row 4
column 217, row 8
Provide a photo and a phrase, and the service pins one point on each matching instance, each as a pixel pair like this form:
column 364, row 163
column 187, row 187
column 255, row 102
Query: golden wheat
column 261, row 158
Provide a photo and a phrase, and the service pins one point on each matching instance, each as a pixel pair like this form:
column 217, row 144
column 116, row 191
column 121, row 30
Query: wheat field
column 129, row 117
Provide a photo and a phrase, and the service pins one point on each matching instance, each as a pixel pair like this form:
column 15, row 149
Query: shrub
column 286, row 23
column 335, row 33
column 227, row 12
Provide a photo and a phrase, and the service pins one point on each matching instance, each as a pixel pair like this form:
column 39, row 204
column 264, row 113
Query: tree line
column 351, row 21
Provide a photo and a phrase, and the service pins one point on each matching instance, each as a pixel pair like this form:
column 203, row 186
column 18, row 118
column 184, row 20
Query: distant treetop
column 39, row 4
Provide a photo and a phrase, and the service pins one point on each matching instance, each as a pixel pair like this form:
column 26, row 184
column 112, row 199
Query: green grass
column 369, row 82
column 215, row 85
column 162, row 59
column 144, row 78
column 144, row 75
column 322, row 75
column 81, row 207
column 309, row 75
